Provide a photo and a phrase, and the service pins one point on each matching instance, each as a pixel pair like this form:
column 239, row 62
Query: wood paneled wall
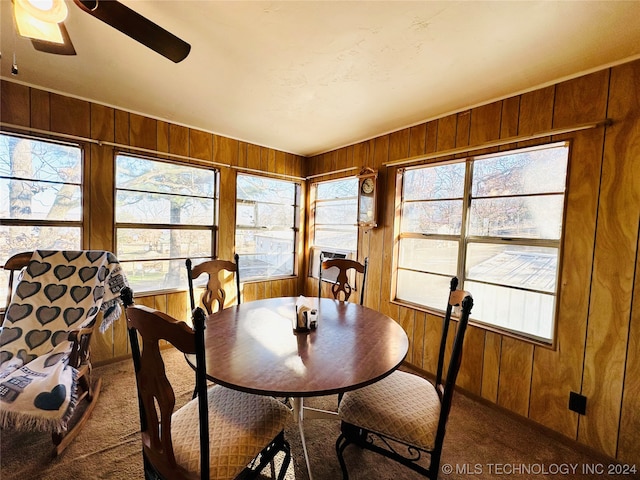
column 49, row 112
column 597, row 350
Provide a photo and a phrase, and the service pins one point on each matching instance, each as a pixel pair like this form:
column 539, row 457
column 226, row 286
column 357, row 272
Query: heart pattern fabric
column 59, row 291
column 27, row 289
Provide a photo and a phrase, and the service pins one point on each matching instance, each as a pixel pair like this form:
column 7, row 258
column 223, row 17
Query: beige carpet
column 480, row 443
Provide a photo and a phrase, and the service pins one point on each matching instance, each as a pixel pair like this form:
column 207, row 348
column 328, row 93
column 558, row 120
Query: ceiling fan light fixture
column 36, row 27
column 50, row 11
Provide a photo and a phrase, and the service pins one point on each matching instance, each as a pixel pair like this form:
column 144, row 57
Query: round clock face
column 367, row 185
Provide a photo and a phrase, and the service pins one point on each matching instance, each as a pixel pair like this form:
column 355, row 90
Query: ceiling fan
column 43, row 22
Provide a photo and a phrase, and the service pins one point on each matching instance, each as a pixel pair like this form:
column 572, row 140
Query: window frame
column 315, row 248
column 465, row 239
column 79, row 224
column 295, row 227
column 213, row 228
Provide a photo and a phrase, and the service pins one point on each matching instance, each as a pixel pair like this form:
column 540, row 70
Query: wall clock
column 367, row 198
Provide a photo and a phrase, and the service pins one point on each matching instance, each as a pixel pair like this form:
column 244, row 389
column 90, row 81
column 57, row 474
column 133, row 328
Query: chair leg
column 268, row 454
column 286, row 460
column 341, row 444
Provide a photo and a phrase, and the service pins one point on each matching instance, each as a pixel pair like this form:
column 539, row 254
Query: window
column 494, row 221
column 165, row 213
column 40, row 197
column 334, row 206
column 267, row 213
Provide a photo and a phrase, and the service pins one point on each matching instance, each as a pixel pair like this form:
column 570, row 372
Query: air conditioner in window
column 331, row 274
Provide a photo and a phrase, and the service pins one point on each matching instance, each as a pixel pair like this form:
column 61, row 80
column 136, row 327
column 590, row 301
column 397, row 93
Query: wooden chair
column 14, row 266
column 404, row 416
column 45, row 342
column 233, row 428
column 341, row 284
column 214, row 291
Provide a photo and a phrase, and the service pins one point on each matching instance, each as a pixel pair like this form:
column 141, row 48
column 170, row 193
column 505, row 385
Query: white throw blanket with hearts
column 59, row 292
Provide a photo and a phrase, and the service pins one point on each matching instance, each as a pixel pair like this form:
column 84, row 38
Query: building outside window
column 267, row 215
column 165, row 213
column 496, row 222
column 40, row 198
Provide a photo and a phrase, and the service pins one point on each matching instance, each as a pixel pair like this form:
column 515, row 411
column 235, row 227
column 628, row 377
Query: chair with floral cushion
column 215, row 435
column 404, row 416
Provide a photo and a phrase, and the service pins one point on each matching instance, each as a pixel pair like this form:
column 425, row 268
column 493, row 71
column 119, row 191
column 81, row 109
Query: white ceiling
column 310, row 76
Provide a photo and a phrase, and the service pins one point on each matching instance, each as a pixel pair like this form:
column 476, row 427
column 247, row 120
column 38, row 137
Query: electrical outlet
column 577, row 403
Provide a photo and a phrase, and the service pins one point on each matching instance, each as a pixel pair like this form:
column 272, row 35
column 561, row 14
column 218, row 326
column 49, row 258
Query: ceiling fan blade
column 65, row 48
column 131, row 23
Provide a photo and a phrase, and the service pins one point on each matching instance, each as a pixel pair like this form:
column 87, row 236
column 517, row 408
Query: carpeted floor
column 480, row 443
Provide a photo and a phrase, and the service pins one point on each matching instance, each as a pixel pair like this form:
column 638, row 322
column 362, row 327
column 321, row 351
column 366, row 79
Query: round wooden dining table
column 252, row 347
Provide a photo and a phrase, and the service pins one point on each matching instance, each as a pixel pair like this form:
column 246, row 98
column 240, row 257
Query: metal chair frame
column 410, row 455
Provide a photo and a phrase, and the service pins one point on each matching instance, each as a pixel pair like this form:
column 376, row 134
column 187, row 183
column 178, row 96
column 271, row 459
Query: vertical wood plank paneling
column 122, row 127
column 120, row 337
column 70, row 116
column 398, row 148
column 102, row 344
column 433, row 334
column 143, row 132
column 15, row 104
column 407, row 322
column 280, row 162
column 271, row 160
column 431, row 142
column 201, row 145
column 226, row 151
column 417, row 342
column 581, row 100
column 101, row 181
column 242, row 154
column 491, row 366
column 253, row 157
column 376, row 235
column 101, row 216
column 446, row 135
column 485, row 123
column 558, row 372
column 463, row 125
column 178, row 140
column 515, row 375
column 628, row 439
column 162, row 136
column 40, row 109
column 418, row 140
column 248, row 291
column 102, row 123
column 178, row 305
column 227, row 212
column 614, row 264
column 509, row 118
column 470, row 375
column 536, row 112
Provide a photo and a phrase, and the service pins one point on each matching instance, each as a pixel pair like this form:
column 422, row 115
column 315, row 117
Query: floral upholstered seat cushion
column 402, row 406
column 240, row 426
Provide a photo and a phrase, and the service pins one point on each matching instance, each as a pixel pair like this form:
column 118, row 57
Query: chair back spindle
column 342, row 286
column 214, row 296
